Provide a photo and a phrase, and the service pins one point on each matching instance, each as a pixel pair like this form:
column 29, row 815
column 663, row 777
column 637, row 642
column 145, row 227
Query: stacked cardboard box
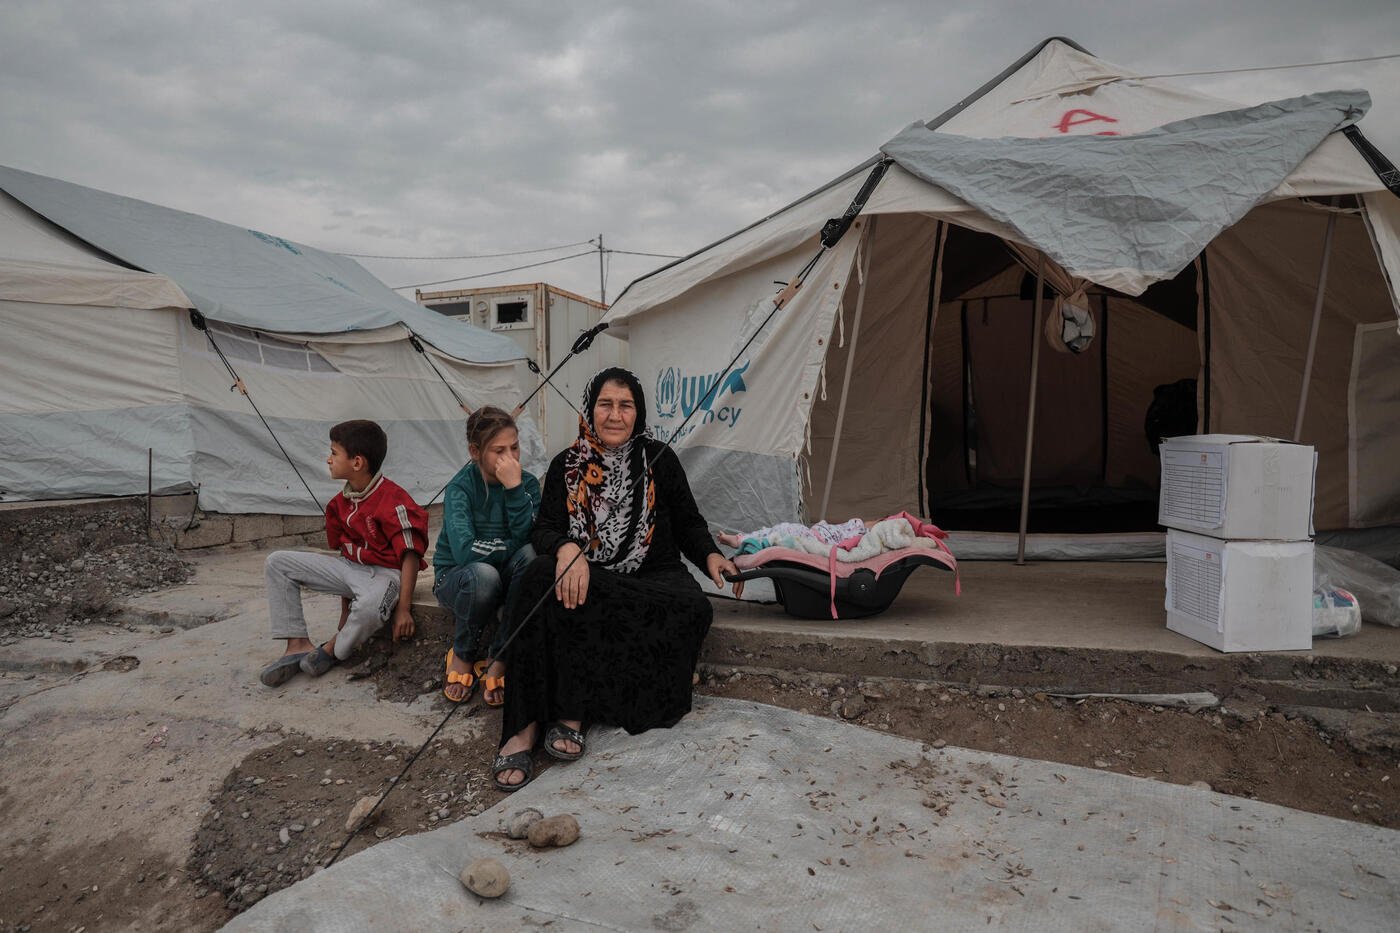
column 1238, row 510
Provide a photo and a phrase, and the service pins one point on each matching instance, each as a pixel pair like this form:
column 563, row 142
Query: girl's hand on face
column 508, row 471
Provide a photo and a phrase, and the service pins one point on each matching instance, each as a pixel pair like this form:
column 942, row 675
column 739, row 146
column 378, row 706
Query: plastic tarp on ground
column 746, row 816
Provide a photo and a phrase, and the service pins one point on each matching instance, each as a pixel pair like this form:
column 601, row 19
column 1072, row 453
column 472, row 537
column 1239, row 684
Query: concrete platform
column 1054, row 627
column 751, row 817
column 1057, row 627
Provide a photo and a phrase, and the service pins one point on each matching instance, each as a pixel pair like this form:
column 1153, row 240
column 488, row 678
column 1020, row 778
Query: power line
column 628, row 252
column 519, row 252
column 482, row 275
column 1231, row 71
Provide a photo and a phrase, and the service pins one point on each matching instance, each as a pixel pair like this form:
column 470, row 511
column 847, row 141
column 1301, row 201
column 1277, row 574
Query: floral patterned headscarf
column 602, row 480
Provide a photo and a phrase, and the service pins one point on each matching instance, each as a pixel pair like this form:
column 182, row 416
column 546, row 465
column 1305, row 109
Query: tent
column 107, row 371
column 1238, row 262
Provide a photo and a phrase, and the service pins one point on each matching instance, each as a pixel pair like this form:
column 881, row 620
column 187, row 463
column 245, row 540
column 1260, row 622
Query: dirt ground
column 308, row 787
column 65, row 567
column 302, row 789
column 282, row 810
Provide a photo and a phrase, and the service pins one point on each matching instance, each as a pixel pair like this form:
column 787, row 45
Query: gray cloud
column 430, row 128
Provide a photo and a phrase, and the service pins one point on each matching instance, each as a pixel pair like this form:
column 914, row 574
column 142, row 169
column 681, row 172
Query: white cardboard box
column 1237, row 486
column 1240, row 595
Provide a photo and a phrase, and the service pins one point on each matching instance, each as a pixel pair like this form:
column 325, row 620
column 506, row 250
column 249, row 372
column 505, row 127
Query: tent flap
column 1127, row 211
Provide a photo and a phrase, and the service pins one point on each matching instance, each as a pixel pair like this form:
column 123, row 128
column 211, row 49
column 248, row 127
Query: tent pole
column 864, row 271
column 1316, row 322
column 602, row 278
column 1030, row 412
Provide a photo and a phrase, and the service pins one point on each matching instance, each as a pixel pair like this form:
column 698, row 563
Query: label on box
column 1193, row 486
column 1196, row 575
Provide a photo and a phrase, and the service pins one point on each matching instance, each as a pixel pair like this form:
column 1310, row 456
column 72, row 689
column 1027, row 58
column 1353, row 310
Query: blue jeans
column 472, row 593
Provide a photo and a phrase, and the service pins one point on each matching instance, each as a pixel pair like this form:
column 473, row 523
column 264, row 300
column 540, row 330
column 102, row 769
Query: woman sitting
column 617, row 640
column 483, row 548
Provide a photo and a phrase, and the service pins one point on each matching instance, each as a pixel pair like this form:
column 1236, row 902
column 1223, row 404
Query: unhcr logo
column 678, row 393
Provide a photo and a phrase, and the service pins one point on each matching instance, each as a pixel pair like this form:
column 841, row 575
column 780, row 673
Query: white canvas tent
column 916, row 333
column 103, row 361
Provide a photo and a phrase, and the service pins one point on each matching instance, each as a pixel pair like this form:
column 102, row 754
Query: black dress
column 625, row 657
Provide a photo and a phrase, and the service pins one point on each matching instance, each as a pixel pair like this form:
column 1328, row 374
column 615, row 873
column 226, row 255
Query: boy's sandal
column 520, row 761
column 454, row 677
column 558, row 732
column 317, row 661
column 282, row 670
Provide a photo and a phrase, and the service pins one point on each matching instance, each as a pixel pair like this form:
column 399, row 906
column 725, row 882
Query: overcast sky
column 449, row 128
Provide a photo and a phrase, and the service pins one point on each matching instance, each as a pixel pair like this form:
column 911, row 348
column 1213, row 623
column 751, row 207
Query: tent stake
column 1030, row 412
column 864, row 271
column 1316, row 322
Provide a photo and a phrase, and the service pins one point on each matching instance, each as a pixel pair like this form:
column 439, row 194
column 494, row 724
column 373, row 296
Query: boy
column 379, row 534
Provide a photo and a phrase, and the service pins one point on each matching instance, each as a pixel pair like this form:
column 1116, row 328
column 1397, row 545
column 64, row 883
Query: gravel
column 65, row 566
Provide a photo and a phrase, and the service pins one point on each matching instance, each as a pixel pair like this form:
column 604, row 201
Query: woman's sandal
column 520, row 761
column 454, row 677
column 490, row 684
column 558, row 732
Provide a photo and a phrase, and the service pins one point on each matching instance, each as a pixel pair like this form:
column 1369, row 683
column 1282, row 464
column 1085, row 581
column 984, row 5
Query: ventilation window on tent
column 241, row 343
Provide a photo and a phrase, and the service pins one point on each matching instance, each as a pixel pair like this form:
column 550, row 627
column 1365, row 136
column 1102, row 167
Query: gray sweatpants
column 373, row 593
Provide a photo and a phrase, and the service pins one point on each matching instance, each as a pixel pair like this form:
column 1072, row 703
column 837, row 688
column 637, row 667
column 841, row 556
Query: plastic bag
column 1335, row 614
column 1376, row 586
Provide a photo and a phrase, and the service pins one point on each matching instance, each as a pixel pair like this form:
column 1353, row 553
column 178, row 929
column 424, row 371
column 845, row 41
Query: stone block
column 173, row 509
column 293, row 541
column 303, row 524
column 431, row 614
column 256, row 527
column 211, row 531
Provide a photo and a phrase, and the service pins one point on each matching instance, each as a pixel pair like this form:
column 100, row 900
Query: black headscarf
column 627, row 378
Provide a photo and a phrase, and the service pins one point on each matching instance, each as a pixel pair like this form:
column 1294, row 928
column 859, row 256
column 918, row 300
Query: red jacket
column 376, row 526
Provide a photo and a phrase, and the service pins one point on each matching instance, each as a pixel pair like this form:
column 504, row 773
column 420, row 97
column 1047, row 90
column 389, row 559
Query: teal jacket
column 483, row 523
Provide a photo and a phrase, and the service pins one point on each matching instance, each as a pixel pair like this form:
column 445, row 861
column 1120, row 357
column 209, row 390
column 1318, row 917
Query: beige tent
column 917, row 334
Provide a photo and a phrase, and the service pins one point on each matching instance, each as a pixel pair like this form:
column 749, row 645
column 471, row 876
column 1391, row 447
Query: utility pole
column 602, row 283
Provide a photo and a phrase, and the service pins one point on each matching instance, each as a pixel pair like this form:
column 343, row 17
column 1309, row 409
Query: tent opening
column 1093, row 465
column 942, row 374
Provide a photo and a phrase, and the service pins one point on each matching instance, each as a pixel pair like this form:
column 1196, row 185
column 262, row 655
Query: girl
column 487, row 515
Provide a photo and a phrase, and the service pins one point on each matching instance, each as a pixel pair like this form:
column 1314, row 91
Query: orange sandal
column 489, row 684
column 453, row 677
